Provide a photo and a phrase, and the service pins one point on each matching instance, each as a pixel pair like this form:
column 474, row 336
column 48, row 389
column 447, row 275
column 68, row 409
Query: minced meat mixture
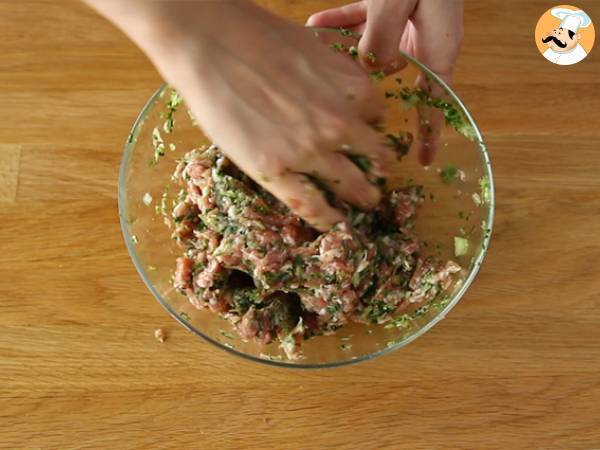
column 274, row 277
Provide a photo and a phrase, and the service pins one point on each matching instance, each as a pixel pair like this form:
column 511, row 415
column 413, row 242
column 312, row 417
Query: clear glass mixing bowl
column 458, row 210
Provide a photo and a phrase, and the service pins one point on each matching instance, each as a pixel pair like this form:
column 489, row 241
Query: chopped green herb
column 174, row 101
column 393, row 343
column 356, row 279
column 452, row 115
column 161, row 208
column 338, row 46
column 449, row 173
column 226, row 334
column 486, row 231
column 400, row 322
column 151, row 268
column 159, row 147
column 363, row 162
column 484, row 184
column 461, row 246
column 400, row 143
column 346, row 347
column 377, row 76
column 185, row 316
column 353, row 52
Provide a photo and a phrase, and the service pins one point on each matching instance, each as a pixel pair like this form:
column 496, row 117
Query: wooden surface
column 515, row 365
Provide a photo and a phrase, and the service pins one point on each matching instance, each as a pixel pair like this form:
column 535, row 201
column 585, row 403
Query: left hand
column 429, row 30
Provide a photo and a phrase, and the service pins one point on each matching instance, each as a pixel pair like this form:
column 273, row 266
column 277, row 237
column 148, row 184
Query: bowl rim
column 458, row 295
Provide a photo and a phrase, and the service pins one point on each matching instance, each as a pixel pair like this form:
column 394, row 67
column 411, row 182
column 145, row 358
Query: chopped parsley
column 448, row 173
column 353, row 52
column 363, row 162
column 399, row 143
column 486, row 231
column 484, row 185
column 393, row 343
column 402, row 321
column 226, row 334
column 453, row 116
column 377, row 76
column 159, row 147
column 338, row 46
column 161, row 208
column 174, row 101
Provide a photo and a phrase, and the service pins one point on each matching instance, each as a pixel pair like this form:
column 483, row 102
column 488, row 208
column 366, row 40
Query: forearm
column 161, row 27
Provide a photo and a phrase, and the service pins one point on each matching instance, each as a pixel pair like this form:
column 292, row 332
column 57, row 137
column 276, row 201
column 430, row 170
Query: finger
column 360, row 28
column 439, row 52
column 346, row 181
column 304, row 199
column 430, row 124
column 372, row 109
column 367, row 142
column 386, row 20
column 345, row 16
column 362, row 97
column 439, row 25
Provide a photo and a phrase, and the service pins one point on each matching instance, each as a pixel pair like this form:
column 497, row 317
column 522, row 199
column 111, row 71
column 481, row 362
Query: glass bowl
column 455, row 218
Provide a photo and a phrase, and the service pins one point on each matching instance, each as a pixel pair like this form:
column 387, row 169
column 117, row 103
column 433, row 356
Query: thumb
column 386, row 21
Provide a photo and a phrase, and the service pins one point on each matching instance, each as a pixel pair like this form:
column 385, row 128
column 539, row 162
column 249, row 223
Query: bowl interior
column 458, row 209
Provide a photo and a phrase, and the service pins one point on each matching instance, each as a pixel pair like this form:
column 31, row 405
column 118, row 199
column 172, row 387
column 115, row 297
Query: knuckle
column 270, row 166
column 335, row 127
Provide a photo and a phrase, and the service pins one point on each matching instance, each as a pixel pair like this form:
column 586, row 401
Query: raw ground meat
column 274, row 277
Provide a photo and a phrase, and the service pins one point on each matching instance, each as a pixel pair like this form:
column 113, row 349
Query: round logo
column 564, row 35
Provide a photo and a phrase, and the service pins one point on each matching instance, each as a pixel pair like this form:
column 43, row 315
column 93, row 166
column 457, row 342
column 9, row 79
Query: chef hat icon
column 571, row 19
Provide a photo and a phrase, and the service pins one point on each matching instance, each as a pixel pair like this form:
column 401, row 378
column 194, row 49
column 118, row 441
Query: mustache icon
column 555, row 40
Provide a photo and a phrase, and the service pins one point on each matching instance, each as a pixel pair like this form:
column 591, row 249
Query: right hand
column 276, row 101
column 429, row 30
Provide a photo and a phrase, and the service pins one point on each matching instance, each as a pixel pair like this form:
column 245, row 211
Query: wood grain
column 515, row 365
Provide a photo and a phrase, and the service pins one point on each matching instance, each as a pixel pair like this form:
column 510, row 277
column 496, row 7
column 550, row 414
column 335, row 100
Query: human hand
column 429, row 30
column 277, row 102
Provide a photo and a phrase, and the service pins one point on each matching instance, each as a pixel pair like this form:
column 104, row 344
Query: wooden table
column 515, row 365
